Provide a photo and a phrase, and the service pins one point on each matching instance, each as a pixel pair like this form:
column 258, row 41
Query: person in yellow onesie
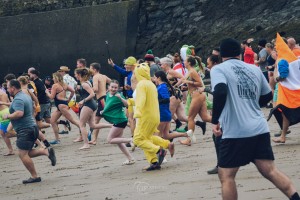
column 147, row 115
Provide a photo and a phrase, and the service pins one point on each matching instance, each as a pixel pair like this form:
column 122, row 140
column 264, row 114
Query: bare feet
column 78, row 139
column 187, row 142
column 93, row 142
column 171, row 148
column 84, row 147
column 279, row 140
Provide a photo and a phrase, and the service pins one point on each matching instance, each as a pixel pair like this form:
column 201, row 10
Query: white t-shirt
column 241, row 116
column 69, row 80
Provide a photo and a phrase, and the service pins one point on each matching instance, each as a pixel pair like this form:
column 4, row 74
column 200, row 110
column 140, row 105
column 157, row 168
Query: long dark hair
column 163, row 77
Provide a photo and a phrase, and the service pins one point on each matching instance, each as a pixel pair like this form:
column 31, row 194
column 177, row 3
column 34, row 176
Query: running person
column 21, row 117
column 147, row 115
column 99, row 86
column 198, row 99
column 88, row 106
column 130, row 63
column 4, row 110
column 58, row 93
column 164, row 88
column 114, row 113
column 24, row 87
column 176, row 105
column 240, row 89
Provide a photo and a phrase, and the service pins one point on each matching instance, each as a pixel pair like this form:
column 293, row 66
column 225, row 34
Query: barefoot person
column 239, row 91
column 114, row 113
column 21, row 117
column 88, row 106
column 147, row 115
column 198, row 99
column 4, row 110
column 99, row 86
column 58, row 93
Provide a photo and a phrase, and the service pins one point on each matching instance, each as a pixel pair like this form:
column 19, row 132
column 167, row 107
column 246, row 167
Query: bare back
column 100, row 81
column 3, row 98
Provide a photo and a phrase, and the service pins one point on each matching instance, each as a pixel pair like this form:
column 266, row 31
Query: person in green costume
column 114, row 112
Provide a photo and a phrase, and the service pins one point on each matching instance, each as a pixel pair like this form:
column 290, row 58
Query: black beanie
column 230, row 48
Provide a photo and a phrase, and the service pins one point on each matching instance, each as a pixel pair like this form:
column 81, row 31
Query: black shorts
column 101, row 103
column 121, row 125
column 26, row 137
column 38, row 117
column 236, row 152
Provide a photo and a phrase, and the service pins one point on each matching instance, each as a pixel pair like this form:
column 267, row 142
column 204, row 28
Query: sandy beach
column 98, row 173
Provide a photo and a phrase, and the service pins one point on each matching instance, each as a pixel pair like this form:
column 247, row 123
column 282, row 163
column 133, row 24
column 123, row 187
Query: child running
column 114, row 113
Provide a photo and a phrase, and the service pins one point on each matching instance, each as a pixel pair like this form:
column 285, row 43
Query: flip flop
column 9, row 154
column 128, row 162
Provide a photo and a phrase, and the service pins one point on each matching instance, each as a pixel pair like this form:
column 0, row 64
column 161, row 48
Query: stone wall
column 166, row 25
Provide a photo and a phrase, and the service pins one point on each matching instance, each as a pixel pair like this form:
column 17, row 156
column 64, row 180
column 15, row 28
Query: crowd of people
column 156, row 92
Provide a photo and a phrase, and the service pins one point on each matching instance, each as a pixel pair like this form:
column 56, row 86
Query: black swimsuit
column 57, row 101
column 90, row 103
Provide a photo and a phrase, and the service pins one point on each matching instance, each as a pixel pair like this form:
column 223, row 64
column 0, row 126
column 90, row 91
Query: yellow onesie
column 147, row 113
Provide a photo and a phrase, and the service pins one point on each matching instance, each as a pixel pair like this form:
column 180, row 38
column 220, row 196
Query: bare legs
column 285, row 128
column 54, row 117
column 95, row 132
column 8, row 144
column 88, row 116
column 131, row 122
column 115, row 137
column 63, row 110
column 266, row 168
column 26, row 156
column 164, row 128
column 227, row 176
column 198, row 106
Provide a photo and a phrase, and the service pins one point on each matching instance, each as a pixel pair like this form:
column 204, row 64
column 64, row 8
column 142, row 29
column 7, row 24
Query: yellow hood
column 142, row 72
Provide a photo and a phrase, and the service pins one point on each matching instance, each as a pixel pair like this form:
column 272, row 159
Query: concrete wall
column 50, row 39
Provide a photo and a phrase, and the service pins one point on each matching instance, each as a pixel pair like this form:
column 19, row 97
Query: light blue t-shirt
column 263, row 54
column 241, row 116
column 22, row 102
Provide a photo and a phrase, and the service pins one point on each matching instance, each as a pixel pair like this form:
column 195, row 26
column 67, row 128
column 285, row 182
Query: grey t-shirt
column 154, row 68
column 22, row 102
column 241, row 116
column 263, row 54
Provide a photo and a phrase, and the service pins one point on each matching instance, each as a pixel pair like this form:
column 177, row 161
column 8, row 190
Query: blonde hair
column 58, row 77
column 23, row 80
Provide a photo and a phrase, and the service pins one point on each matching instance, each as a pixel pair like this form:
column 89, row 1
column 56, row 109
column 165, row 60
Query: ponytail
column 84, row 73
column 162, row 75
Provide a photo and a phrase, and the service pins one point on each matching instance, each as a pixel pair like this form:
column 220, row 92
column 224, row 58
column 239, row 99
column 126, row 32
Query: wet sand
column 98, row 173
